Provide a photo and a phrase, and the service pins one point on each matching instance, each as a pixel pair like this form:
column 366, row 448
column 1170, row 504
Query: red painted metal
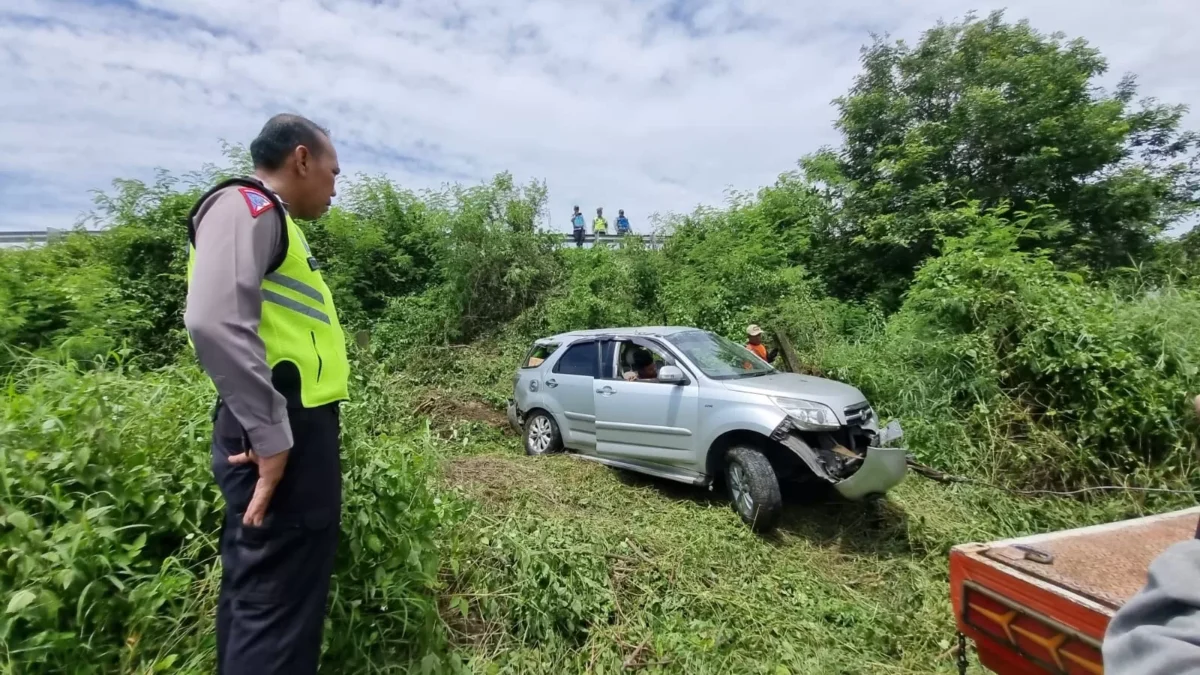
column 1030, row 617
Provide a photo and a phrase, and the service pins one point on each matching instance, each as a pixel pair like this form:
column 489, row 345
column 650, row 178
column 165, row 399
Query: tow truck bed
column 1041, row 604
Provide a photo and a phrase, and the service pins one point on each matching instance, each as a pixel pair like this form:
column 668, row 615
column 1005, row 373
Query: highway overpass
column 13, row 238
column 16, row 238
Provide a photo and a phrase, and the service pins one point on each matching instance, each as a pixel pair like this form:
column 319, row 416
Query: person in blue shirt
column 577, row 227
column 622, row 222
column 1157, row 631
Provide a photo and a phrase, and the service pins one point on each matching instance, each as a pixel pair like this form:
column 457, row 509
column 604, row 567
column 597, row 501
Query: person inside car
column 644, row 367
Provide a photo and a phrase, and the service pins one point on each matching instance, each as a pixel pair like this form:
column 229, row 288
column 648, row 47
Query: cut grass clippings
column 569, row 566
column 566, row 566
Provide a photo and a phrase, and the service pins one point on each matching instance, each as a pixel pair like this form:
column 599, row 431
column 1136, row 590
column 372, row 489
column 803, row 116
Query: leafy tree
column 1000, row 113
column 724, row 269
column 146, row 250
column 379, row 243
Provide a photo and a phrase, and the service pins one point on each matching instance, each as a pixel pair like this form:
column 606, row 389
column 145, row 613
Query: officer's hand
column 270, row 472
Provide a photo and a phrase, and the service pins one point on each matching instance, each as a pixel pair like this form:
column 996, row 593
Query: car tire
column 541, row 434
column 753, row 487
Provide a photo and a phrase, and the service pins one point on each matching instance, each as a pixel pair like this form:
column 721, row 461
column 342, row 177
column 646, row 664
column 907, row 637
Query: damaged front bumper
column 882, row 469
column 855, row 474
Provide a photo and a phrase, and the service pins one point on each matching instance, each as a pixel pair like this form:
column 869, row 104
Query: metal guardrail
column 29, row 237
column 21, row 237
column 651, row 240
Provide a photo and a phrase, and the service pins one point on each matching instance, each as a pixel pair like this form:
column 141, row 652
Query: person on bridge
column 577, row 226
column 623, row 227
column 600, row 225
column 264, row 328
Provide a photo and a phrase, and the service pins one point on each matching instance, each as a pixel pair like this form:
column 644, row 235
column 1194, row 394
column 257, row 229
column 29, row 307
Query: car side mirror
column 671, row 375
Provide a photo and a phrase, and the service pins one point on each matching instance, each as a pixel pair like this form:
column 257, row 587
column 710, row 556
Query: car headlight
column 808, row 415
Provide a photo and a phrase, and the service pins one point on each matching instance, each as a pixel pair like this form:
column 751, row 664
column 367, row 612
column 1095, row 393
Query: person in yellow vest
column 600, row 225
column 262, row 323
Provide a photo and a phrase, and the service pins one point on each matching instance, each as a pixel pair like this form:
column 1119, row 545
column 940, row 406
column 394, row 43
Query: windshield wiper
column 757, row 374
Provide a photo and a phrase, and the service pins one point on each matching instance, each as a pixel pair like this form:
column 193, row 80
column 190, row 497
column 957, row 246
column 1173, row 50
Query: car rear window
column 538, row 353
column 580, row 359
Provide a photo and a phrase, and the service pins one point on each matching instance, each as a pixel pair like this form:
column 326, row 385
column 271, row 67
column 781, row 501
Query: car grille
column 859, row 413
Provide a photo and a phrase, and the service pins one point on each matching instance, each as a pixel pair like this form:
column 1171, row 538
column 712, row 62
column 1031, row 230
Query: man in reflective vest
column 263, row 325
column 623, row 227
column 600, row 225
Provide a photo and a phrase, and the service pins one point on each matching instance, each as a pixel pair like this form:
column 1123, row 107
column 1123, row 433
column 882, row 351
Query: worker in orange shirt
column 755, row 344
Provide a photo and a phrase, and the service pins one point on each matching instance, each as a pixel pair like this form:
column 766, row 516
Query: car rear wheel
column 753, row 488
column 541, row 435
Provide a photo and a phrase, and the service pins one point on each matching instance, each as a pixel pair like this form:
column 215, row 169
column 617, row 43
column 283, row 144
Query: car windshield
column 717, row 357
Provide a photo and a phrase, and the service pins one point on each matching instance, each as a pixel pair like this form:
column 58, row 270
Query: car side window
column 537, row 354
column 634, row 351
column 580, row 358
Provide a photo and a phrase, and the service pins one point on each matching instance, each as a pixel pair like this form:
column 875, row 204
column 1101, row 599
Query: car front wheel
column 753, row 487
column 541, row 435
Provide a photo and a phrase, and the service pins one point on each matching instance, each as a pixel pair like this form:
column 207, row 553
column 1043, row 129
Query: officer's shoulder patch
column 257, row 201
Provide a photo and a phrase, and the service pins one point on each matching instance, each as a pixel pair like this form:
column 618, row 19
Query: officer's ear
column 304, row 159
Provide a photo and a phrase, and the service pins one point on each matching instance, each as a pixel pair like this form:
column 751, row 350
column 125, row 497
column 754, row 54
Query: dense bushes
column 969, row 281
column 1055, row 380
column 1112, row 372
column 109, row 515
column 1069, row 378
column 60, row 296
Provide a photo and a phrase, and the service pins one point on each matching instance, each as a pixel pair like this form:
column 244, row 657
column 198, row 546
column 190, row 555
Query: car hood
column 836, row 395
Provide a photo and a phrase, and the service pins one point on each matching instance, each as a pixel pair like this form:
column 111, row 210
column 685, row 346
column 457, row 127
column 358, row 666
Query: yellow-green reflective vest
column 299, row 323
column 600, row 224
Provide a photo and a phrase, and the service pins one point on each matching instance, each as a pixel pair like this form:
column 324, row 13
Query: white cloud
column 646, row 105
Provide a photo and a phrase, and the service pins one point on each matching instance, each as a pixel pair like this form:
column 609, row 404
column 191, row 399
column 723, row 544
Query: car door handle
column 606, row 391
column 551, row 383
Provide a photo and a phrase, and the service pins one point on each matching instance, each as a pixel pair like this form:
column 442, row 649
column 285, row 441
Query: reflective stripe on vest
column 299, row 323
column 300, row 307
column 297, row 285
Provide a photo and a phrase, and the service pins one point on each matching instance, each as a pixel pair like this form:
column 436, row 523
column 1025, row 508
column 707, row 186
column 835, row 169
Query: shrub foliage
column 983, row 255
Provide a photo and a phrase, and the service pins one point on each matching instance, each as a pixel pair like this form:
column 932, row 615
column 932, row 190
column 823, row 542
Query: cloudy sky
column 646, row 105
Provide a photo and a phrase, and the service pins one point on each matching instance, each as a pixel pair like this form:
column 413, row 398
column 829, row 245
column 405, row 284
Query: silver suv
column 691, row 406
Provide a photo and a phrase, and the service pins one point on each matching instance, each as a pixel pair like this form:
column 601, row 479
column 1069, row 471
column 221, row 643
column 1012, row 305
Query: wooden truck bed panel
column 1036, row 617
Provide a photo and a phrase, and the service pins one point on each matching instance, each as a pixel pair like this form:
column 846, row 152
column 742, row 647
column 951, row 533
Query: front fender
column 735, row 416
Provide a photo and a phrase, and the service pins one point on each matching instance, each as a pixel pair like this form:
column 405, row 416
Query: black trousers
column 275, row 578
column 578, row 238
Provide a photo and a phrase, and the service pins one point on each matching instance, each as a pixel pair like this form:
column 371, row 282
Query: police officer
column 263, row 325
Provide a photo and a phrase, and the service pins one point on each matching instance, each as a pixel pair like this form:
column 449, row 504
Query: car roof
column 655, row 331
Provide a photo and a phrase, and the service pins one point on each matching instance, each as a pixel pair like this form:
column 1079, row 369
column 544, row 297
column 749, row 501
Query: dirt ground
column 492, row 478
column 446, row 410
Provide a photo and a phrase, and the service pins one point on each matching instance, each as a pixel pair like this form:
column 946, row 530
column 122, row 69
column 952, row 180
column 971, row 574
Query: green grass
column 567, row 566
column 461, row 554
column 561, row 565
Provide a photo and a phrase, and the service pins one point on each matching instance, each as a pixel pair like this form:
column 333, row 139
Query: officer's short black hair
column 280, row 136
